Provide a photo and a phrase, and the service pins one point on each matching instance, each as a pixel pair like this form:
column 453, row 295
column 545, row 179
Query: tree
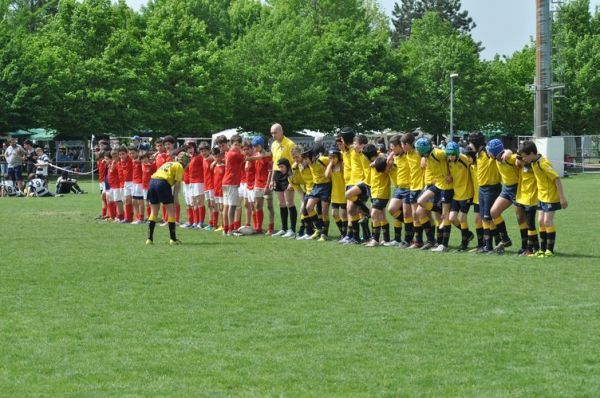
column 404, row 16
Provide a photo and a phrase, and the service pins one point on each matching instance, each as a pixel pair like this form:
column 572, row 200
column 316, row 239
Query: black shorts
column 413, row 196
column 487, row 196
column 509, row 192
column 549, row 207
column 160, row 191
column 379, row 204
column 365, row 192
column 281, row 181
column 342, row 206
column 402, row 194
column 461, row 205
column 527, row 208
column 321, row 192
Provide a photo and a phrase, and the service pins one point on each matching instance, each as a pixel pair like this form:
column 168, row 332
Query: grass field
column 88, row 310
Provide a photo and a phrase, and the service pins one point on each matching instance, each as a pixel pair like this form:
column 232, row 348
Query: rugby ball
column 246, row 230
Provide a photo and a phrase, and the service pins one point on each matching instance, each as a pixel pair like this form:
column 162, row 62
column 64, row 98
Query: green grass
column 88, row 310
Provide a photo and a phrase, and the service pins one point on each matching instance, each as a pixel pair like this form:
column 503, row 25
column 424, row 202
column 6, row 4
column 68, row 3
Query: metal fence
column 582, row 152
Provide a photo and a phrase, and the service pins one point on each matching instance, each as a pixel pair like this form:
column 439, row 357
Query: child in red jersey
column 187, row 193
column 116, row 190
column 250, row 168
column 263, row 171
column 234, row 164
column 209, row 192
column 126, row 175
column 101, row 164
column 138, row 193
column 243, row 190
column 148, row 168
column 218, row 167
column 196, row 170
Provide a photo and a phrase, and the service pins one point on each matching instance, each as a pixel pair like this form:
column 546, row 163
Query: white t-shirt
column 37, row 185
column 42, row 170
column 14, row 156
column 9, row 188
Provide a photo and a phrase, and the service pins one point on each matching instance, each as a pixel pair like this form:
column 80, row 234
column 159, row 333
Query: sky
column 503, row 26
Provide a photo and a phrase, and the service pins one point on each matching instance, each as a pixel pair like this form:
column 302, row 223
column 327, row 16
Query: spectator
column 30, row 156
column 3, row 167
column 14, row 158
column 65, row 184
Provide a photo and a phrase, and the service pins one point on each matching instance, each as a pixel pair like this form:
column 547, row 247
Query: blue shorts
column 549, row 207
column 379, row 204
column 342, row 206
column 475, row 207
column 487, row 196
column 402, row 194
column 461, row 205
column 15, row 173
column 321, row 192
column 160, row 191
column 413, row 196
column 509, row 192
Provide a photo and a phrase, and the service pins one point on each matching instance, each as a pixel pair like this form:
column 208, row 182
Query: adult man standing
column 14, row 158
column 281, row 149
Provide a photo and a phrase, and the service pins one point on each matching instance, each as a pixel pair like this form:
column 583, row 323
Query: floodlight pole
column 452, row 77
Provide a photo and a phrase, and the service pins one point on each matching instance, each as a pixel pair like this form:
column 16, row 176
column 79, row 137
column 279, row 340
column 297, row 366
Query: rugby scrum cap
column 370, row 151
column 285, row 162
column 347, row 135
column 333, row 151
column 477, row 139
column 380, row 164
column 452, row 149
column 183, row 158
column 495, row 147
column 423, row 146
column 258, row 140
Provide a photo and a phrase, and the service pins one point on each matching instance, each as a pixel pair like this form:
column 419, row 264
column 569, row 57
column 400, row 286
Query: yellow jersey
column 475, row 183
column 357, row 173
column 347, row 158
column 509, row 172
column 171, row 172
column 296, row 180
column 307, row 177
column 401, row 171
column 317, row 168
column 545, row 176
column 367, row 169
column 380, row 184
column 338, row 185
column 487, row 170
column 527, row 189
column 417, row 178
column 437, row 171
column 460, row 171
column 282, row 150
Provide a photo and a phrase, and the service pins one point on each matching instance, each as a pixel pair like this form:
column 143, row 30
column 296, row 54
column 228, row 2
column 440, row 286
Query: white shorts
column 187, row 195
column 250, row 195
column 259, row 193
column 231, row 195
column 218, row 199
column 128, row 188
column 209, row 195
column 197, row 189
column 145, row 192
column 101, row 185
column 116, row 194
column 137, row 190
column 242, row 190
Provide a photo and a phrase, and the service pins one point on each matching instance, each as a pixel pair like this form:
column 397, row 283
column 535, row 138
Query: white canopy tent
column 227, row 133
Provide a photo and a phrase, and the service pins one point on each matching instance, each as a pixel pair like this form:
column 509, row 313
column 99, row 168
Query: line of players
column 434, row 190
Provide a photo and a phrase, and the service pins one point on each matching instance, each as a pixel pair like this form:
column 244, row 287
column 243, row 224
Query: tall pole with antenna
column 543, row 78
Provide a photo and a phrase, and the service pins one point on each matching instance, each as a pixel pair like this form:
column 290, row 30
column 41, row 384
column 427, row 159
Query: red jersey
column 162, row 158
column 218, row 174
column 114, row 179
column 250, row 173
column 263, row 167
column 101, row 170
column 196, row 168
column 208, row 174
column 186, row 175
column 234, row 165
column 147, row 170
column 137, row 172
column 127, row 169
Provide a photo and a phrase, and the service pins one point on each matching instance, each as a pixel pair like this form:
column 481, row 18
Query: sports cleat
column 186, row 225
column 174, row 242
column 392, row 243
column 289, row 234
column 352, row 241
column 415, row 245
column 136, row 222
column 305, row 237
column 344, row 240
column 149, row 242
column 526, row 253
column 164, row 224
column 209, row 228
column 484, row 250
column 440, row 249
column 427, row 246
column 279, row 233
column 503, row 245
column 475, row 250
column 220, row 229
column 372, row 243
column 269, row 232
column 549, row 253
column 300, row 237
column 323, row 238
column 316, row 235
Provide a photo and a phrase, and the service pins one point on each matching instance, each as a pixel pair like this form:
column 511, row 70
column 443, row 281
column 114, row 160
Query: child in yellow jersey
column 478, row 222
column 506, row 162
column 399, row 206
column 550, row 194
column 417, row 184
column 335, row 171
column 359, row 192
column 488, row 179
column 164, row 186
column 381, row 193
column 344, row 140
column 440, row 191
column 321, row 192
column 527, row 201
column 460, row 173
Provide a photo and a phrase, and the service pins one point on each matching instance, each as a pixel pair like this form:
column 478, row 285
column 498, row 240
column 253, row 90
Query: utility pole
column 543, row 78
column 452, row 77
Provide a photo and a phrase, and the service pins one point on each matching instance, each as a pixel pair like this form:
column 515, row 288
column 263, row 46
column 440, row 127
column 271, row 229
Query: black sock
column 550, row 239
column 364, row 223
column 340, row 225
column 419, row 234
column 446, row 235
column 429, row 232
column 487, row 238
column 356, row 230
column 376, row 233
column 524, row 243
column 464, row 233
column 480, row 236
column 397, row 234
column 502, row 233
column 440, row 235
column 283, row 212
column 409, row 231
column 386, row 232
column 172, row 231
column 293, row 217
column 151, row 226
column 543, row 241
column 325, row 228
